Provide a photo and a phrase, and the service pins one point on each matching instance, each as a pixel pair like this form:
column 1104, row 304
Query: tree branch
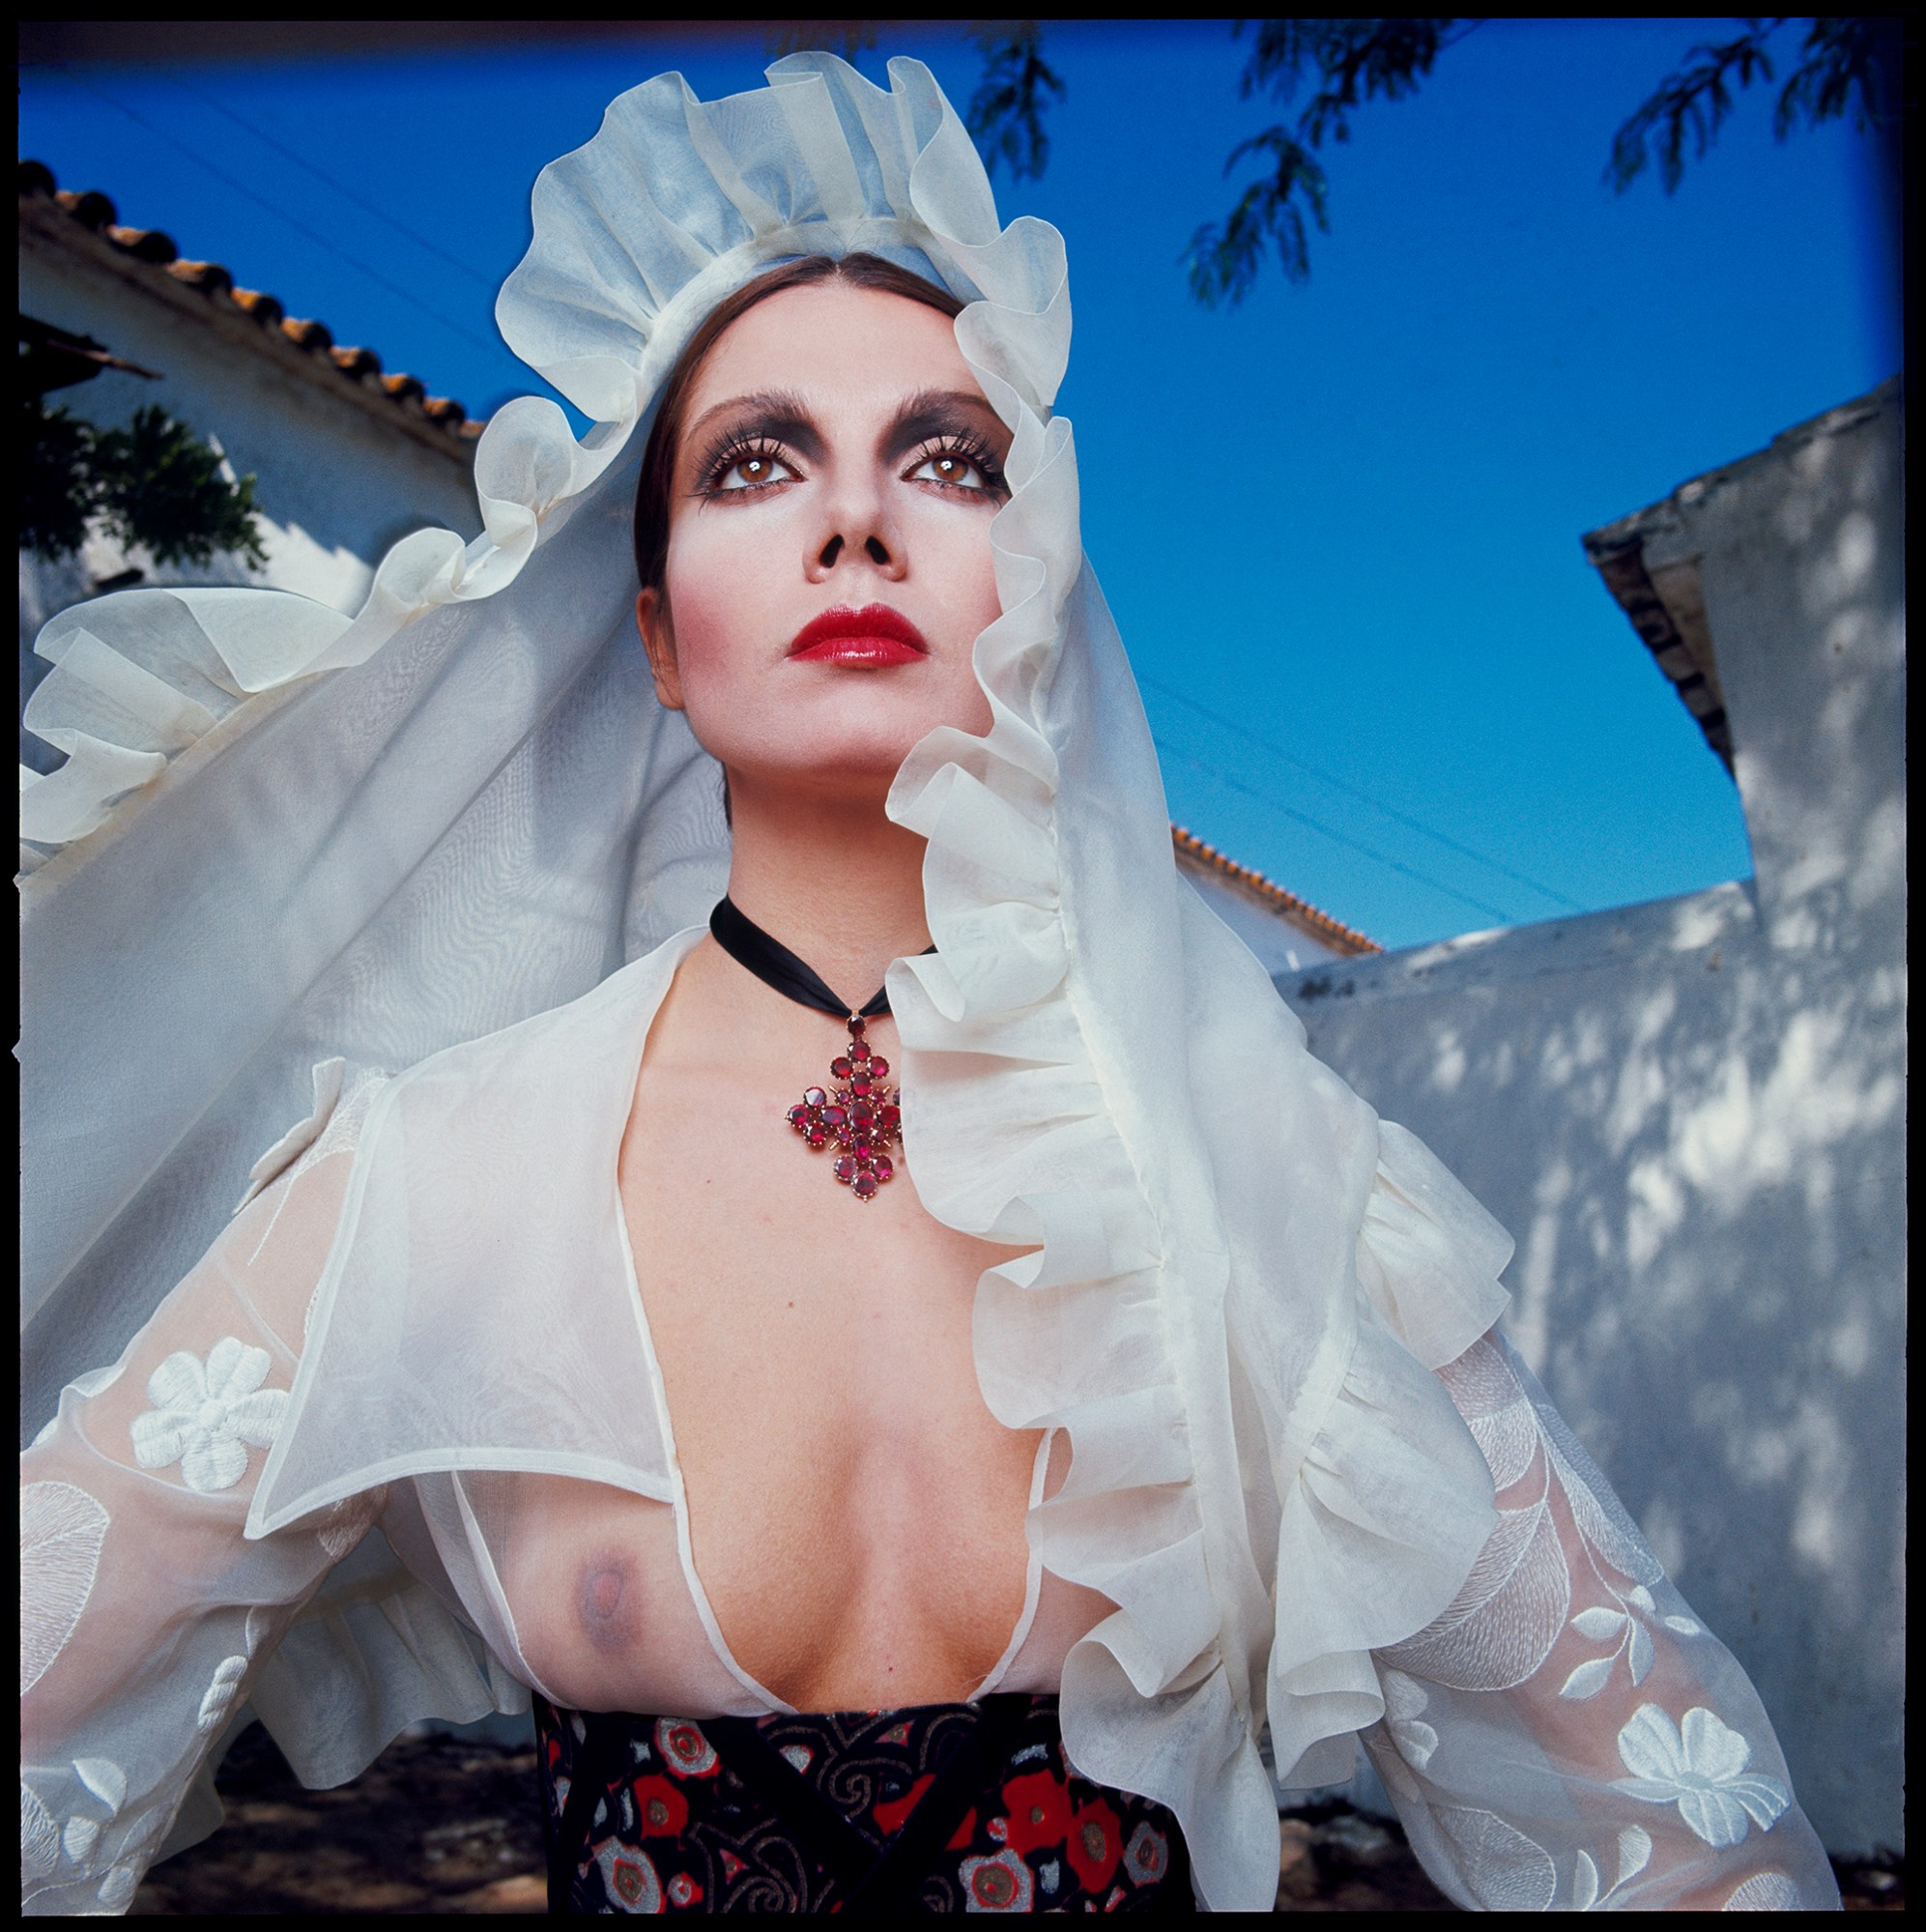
column 1006, row 112
column 1694, row 99
column 1355, row 61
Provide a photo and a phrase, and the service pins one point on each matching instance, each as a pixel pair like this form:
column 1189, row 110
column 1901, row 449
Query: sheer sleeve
column 145, row 1613
column 1567, row 1736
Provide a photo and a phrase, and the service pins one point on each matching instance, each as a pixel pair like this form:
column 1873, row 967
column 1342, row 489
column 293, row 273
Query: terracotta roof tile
column 94, row 212
column 264, row 308
column 210, row 275
column 1302, row 912
column 149, row 243
column 315, row 335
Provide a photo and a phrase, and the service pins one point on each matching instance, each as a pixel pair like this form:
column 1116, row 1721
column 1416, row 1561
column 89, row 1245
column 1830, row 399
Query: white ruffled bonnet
column 1241, row 1279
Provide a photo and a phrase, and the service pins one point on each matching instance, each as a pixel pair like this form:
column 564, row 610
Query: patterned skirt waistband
column 941, row 1808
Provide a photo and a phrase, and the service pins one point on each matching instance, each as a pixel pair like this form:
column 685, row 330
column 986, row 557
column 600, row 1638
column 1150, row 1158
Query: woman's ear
column 658, row 640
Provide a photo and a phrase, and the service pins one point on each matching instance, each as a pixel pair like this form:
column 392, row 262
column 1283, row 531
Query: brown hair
column 658, row 460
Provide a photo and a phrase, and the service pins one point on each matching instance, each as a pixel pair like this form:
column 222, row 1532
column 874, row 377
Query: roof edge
column 1346, row 940
column 148, row 258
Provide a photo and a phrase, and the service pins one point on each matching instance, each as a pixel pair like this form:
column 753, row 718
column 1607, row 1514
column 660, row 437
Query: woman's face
column 838, row 472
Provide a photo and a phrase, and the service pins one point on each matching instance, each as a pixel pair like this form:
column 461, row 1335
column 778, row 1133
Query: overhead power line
column 1377, row 804
column 240, row 187
column 1275, row 804
column 340, row 187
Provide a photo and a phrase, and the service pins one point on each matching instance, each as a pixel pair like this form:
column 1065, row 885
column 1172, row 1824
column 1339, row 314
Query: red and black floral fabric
column 946, row 1807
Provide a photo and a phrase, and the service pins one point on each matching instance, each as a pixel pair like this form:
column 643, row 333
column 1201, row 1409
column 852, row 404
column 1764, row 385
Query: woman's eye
column 747, row 473
column 949, row 467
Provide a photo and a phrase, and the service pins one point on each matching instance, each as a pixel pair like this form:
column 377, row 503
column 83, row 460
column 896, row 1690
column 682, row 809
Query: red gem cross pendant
column 860, row 1116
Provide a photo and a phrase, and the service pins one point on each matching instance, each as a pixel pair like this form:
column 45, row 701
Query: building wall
column 1691, row 1113
column 1279, row 945
column 336, row 484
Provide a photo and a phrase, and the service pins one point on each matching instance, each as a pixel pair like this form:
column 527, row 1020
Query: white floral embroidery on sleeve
column 1765, row 1891
column 202, row 1416
column 1699, row 1765
column 1405, row 1700
column 219, row 1698
column 1634, row 1855
column 45, row 1848
column 62, row 1529
column 345, row 1523
column 1628, row 1632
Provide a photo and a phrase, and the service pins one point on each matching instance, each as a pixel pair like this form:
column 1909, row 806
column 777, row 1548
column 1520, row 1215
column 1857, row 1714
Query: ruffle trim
column 1429, row 1255
column 638, row 234
column 1386, row 1515
column 1013, row 1136
column 1392, row 1500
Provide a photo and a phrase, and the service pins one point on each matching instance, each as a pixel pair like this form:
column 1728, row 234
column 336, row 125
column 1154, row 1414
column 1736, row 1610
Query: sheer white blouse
column 1567, row 1735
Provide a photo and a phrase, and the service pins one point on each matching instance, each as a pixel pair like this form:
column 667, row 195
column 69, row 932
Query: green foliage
column 1224, row 255
column 1694, row 100
column 1355, row 61
column 1846, row 66
column 153, row 484
column 1845, row 63
column 1006, row 112
column 52, row 506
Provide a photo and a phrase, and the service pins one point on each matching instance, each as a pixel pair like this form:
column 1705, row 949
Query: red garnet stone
column 860, row 1117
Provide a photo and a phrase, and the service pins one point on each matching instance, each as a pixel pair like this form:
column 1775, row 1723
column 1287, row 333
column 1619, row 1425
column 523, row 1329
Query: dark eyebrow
column 938, row 412
column 768, row 411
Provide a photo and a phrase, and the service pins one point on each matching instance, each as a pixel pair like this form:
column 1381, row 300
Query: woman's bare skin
column 856, row 1512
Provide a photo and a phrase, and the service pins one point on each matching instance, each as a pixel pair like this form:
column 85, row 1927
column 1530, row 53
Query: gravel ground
column 442, row 1824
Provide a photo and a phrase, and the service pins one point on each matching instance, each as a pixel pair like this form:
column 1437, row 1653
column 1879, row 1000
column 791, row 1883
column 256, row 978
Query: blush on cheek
column 606, row 1605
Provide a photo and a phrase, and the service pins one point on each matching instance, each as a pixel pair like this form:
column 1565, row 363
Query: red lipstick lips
column 868, row 639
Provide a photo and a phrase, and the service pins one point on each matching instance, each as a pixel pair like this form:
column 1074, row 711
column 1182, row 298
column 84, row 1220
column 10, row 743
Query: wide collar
column 478, row 1307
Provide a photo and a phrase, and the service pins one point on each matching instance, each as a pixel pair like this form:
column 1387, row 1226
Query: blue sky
column 1339, row 525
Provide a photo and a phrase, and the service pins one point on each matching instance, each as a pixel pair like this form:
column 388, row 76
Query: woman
column 924, row 1500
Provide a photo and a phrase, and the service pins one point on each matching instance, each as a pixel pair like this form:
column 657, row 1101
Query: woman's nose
column 876, row 550
column 857, row 529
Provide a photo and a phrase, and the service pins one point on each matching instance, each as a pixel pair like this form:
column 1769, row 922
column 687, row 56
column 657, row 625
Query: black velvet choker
column 774, row 965
column 858, row 1115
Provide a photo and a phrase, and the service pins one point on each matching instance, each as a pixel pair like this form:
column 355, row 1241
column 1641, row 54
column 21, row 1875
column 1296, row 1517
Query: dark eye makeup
column 765, row 442
column 738, row 447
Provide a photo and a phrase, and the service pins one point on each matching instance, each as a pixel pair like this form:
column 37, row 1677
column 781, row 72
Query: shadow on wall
column 1690, row 1114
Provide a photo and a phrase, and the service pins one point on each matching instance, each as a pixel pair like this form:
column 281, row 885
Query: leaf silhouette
column 1634, row 1853
column 1589, row 1678
column 61, row 1532
column 1599, row 1623
column 1641, row 1649
column 1506, row 1871
column 1504, row 1619
column 1585, row 1885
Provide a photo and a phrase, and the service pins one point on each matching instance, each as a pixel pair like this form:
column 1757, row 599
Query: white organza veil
column 284, row 836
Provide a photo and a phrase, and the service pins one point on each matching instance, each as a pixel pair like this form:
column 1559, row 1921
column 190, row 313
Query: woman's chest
column 855, row 1512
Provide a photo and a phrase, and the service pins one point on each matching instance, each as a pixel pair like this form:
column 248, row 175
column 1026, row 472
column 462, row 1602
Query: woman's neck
column 833, row 879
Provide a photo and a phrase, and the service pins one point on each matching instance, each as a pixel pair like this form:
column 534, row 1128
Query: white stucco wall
column 337, row 482
column 1691, row 1116
column 1283, row 945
